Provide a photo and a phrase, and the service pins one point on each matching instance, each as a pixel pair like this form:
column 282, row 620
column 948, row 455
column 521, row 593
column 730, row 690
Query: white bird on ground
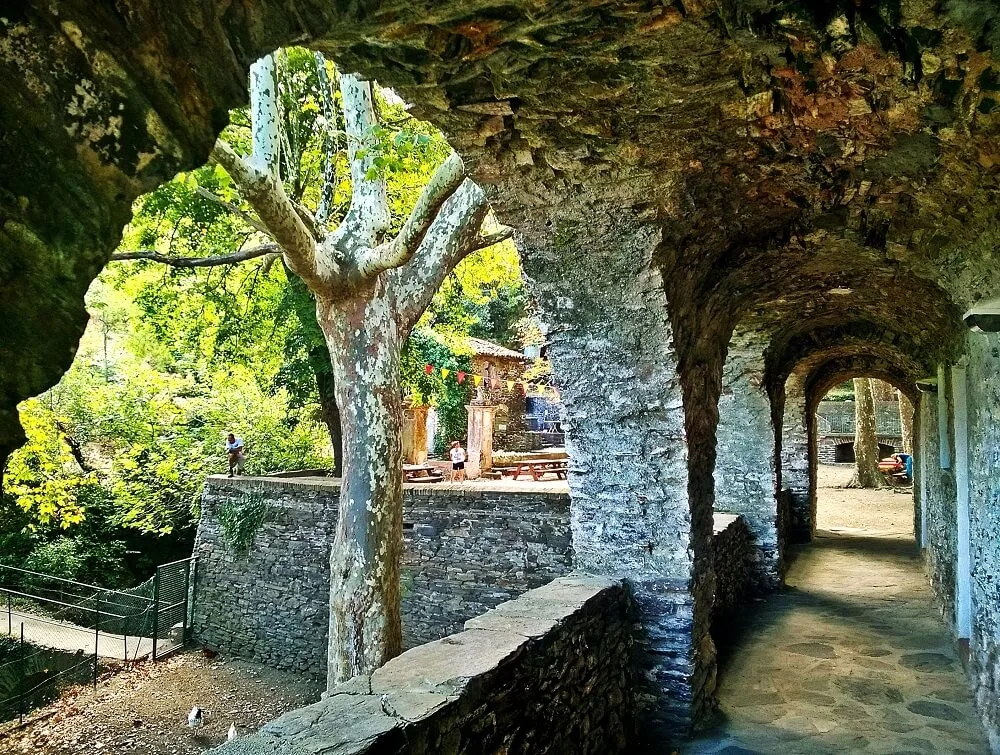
column 232, row 733
column 195, row 718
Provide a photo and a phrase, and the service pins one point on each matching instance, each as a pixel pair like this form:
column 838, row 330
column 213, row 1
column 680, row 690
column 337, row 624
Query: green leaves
column 42, row 475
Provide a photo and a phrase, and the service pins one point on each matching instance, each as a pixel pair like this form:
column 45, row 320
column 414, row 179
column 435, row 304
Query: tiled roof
column 490, row 349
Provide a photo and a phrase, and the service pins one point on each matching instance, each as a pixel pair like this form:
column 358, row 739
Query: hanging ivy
column 241, row 520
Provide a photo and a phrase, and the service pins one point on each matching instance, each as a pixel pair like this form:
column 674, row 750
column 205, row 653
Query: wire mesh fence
column 31, row 676
column 60, row 631
column 837, row 418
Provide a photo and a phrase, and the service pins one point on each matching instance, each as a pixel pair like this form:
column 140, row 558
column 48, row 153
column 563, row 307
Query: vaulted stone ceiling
column 785, row 149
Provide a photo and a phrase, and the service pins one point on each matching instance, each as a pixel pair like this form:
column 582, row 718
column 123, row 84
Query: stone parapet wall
column 734, row 559
column 468, row 548
column 546, row 673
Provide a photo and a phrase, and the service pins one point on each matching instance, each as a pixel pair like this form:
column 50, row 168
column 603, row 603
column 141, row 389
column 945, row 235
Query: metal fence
column 837, row 418
column 73, row 627
column 32, row 676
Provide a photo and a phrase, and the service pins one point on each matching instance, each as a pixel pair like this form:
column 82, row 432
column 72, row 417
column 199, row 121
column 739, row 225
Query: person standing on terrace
column 234, row 449
column 457, row 454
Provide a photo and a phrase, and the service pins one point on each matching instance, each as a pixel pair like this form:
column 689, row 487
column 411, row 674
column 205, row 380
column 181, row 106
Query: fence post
column 187, row 587
column 10, row 627
column 156, row 607
column 97, row 633
column 194, row 591
column 20, row 681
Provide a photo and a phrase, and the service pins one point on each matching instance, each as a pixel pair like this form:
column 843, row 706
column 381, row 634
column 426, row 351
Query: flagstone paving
column 851, row 657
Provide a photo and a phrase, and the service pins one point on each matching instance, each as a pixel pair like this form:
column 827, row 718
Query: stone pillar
column 415, row 434
column 479, row 441
column 795, row 478
column 746, row 474
column 611, row 342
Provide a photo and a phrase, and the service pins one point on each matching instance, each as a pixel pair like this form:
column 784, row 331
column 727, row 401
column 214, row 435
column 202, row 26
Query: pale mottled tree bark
column 906, row 422
column 369, row 293
column 882, row 391
column 866, row 473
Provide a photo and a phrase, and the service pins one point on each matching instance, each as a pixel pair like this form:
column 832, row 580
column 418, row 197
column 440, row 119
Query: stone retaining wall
column 468, row 548
column 546, row 673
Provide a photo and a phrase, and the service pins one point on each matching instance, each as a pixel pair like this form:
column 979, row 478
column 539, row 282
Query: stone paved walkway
column 852, row 657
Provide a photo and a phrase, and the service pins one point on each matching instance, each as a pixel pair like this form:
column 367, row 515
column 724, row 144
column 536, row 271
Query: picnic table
column 540, row 468
column 421, row 473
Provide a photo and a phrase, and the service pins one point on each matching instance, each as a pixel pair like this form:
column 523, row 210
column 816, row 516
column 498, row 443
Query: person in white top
column 234, row 449
column 457, row 454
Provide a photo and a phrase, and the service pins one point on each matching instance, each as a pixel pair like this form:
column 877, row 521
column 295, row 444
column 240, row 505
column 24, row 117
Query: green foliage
column 42, row 476
column 241, row 519
column 424, row 347
column 175, row 357
column 58, row 558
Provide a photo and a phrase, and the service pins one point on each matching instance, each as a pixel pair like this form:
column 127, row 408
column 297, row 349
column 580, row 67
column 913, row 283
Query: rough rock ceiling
column 785, row 148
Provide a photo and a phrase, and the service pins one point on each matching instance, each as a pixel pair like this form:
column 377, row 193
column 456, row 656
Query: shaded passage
column 850, row 657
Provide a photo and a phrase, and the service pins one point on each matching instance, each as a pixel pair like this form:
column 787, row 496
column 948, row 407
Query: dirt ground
column 144, row 709
column 880, row 512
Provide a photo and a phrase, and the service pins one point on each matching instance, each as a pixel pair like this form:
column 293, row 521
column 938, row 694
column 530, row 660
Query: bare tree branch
column 249, row 219
column 329, row 162
column 493, row 238
column 222, row 259
column 453, row 235
column 74, row 447
column 443, row 184
column 368, row 216
column 307, row 218
column 266, row 195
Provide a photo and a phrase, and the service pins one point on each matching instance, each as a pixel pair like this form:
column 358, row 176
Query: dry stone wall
column 465, row 552
column 800, row 505
column 735, row 558
column 746, row 476
column 983, row 375
column 940, row 538
column 546, row 673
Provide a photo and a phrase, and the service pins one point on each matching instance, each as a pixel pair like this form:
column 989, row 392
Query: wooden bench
column 421, row 473
column 538, row 469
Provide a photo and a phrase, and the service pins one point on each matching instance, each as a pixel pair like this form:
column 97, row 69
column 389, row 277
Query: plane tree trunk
column 364, row 342
column 906, row 422
column 866, row 472
column 369, row 293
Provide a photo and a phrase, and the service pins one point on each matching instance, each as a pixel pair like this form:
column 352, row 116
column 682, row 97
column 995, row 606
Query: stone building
column 835, row 430
column 724, row 209
column 497, row 363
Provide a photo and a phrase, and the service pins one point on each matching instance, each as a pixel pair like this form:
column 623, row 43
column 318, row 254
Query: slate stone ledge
column 555, row 490
column 545, row 673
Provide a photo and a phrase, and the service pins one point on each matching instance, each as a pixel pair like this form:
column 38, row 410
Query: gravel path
column 887, row 511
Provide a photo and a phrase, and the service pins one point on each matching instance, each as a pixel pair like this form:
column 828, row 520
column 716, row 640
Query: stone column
column 746, row 474
column 795, row 478
column 479, row 441
column 612, row 347
column 415, row 434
